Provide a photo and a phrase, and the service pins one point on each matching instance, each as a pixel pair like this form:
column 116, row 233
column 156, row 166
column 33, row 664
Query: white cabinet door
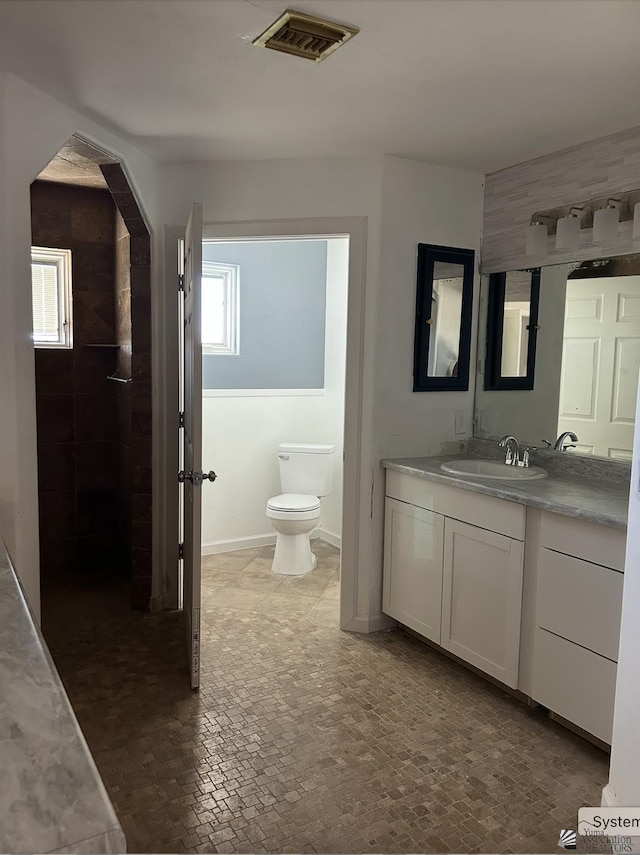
column 482, row 599
column 412, row 582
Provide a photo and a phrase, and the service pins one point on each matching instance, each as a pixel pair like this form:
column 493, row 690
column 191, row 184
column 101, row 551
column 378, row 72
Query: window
column 51, row 296
column 220, row 307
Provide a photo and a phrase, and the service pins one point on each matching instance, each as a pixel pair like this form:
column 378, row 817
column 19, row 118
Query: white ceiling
column 476, row 84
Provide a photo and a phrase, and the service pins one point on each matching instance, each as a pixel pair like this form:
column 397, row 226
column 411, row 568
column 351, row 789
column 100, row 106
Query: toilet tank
column 306, row 468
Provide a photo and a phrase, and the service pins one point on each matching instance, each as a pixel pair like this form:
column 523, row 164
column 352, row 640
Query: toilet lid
column 293, row 502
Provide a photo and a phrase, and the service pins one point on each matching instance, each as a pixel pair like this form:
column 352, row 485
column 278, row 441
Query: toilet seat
column 293, row 502
column 293, row 506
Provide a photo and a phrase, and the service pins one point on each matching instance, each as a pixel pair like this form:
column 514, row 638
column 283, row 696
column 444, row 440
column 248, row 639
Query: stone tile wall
column 75, row 402
column 133, row 324
column 595, row 169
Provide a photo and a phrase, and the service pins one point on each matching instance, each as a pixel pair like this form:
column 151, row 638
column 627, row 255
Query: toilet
column 306, row 474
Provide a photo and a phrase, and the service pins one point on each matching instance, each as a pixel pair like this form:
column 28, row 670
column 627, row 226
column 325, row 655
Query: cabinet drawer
column 580, row 601
column 574, row 683
column 596, row 543
column 487, row 512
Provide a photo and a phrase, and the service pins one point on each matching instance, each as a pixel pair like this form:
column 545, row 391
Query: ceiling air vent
column 304, row 36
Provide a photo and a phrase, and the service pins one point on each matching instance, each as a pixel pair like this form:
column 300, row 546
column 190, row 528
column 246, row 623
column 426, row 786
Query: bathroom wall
column 419, row 203
column 243, row 428
column 33, row 127
column 592, row 170
column 74, row 401
column 282, row 316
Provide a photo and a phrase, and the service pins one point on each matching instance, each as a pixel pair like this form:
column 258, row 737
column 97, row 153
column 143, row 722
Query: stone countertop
column 51, row 796
column 602, row 502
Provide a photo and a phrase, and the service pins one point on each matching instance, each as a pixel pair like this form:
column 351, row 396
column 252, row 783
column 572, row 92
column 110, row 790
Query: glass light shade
column 636, row 220
column 568, row 233
column 605, row 225
column 536, row 243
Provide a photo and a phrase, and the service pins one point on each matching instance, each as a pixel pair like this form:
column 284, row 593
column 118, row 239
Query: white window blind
column 51, row 296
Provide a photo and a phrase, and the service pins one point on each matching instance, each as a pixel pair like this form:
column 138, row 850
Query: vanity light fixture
column 568, row 230
column 603, row 216
column 537, row 233
column 605, row 222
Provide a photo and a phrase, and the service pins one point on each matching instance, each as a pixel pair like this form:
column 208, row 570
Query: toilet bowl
column 306, row 474
column 294, row 516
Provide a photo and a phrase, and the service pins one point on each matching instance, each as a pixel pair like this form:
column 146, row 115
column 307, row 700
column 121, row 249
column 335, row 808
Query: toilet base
column 293, row 555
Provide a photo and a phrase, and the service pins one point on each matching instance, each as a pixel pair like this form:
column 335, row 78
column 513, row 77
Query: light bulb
column 568, row 232
column 536, row 243
column 605, row 224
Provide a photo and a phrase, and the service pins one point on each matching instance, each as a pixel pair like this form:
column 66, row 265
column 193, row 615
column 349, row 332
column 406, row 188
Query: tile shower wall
column 75, row 403
column 133, row 330
column 605, row 166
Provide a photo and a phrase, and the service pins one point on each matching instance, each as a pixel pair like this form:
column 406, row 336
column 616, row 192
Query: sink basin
column 493, row 470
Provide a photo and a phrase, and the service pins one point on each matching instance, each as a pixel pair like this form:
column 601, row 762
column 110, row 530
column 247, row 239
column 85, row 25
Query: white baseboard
column 256, row 540
column 328, row 536
column 609, row 798
column 240, row 543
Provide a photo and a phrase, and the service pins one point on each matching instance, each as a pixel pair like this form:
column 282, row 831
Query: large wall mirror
column 444, row 299
column 587, row 362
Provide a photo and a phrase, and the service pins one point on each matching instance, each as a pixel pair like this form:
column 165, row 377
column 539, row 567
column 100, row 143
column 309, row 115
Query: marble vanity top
column 599, row 501
column 51, row 796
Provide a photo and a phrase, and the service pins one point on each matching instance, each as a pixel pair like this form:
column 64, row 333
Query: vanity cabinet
column 413, row 544
column 453, row 564
column 578, row 609
column 482, row 599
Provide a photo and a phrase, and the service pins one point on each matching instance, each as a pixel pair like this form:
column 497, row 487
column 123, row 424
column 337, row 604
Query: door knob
column 196, row 477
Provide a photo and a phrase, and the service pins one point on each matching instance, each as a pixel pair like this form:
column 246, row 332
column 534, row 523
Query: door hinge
column 181, row 420
column 180, row 551
column 180, row 281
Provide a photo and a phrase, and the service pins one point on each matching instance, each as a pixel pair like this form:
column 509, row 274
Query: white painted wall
column 624, row 774
column 33, row 127
column 421, row 203
column 405, row 203
column 335, row 354
column 275, row 193
column 242, row 431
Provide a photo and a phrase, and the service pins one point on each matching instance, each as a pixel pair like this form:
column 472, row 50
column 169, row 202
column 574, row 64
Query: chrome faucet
column 512, row 454
column 559, row 444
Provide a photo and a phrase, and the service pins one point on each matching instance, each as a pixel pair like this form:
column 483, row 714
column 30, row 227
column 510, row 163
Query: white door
column 412, row 582
column 482, row 599
column 600, row 364
column 191, row 476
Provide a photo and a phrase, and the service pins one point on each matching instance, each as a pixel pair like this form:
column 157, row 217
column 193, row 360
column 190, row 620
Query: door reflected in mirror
column 446, row 314
column 515, row 324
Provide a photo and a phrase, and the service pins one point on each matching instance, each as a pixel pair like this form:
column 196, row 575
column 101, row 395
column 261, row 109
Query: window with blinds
column 51, row 296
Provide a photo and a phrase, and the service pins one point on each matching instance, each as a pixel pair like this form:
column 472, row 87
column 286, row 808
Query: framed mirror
column 512, row 329
column 444, row 299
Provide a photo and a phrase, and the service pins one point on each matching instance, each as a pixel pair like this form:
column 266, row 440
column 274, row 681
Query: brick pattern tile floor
column 307, row 739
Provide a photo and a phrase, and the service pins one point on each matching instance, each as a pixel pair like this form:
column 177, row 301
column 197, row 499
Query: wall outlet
column 461, row 421
column 485, row 421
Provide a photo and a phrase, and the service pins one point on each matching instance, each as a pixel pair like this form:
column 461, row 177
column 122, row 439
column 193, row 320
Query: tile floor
column 307, row 739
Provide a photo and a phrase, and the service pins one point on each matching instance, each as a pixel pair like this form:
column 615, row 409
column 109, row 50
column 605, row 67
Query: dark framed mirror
column 444, row 302
column 512, row 330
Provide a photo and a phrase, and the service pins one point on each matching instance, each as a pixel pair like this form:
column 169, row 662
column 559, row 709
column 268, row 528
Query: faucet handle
column 547, row 443
column 526, row 456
